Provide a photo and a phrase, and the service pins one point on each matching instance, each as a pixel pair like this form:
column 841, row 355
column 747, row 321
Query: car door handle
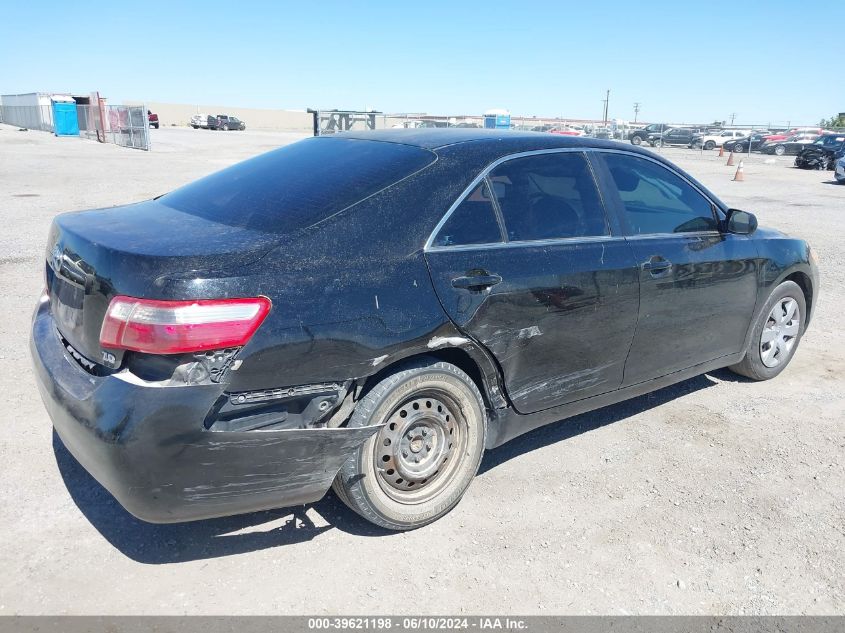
column 657, row 265
column 476, row 282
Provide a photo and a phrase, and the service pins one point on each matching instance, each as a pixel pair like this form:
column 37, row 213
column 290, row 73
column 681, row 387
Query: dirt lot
column 717, row 495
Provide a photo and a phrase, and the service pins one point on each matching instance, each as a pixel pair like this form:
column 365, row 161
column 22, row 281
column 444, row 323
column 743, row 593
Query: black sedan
column 740, row 145
column 788, row 147
column 373, row 310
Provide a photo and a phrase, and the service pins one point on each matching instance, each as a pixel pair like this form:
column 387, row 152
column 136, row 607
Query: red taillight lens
column 177, row 327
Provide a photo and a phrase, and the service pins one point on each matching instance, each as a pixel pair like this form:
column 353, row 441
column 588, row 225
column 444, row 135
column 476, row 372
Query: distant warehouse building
column 59, row 113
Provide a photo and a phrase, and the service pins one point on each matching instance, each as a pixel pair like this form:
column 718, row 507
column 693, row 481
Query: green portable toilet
column 65, row 122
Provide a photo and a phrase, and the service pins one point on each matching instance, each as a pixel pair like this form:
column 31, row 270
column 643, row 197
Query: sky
column 687, row 61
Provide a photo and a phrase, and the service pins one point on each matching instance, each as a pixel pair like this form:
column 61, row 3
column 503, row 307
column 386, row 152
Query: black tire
column 455, row 414
column 708, row 145
column 195, row 126
column 636, row 140
column 657, row 143
column 225, row 127
column 753, row 366
column 779, row 150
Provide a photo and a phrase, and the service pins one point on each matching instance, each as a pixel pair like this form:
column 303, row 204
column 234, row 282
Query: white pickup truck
column 711, row 141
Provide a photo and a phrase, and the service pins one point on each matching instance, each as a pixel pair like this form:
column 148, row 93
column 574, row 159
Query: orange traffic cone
column 730, row 160
column 721, row 151
column 739, row 176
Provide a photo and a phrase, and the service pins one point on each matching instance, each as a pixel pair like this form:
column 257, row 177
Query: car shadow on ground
column 151, row 543
column 154, row 544
column 592, row 420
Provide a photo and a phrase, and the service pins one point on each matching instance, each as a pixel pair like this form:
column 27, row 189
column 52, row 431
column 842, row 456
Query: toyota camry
column 371, row 311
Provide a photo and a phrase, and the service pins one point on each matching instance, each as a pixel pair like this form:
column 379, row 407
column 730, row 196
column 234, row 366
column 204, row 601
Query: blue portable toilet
column 65, row 122
column 497, row 119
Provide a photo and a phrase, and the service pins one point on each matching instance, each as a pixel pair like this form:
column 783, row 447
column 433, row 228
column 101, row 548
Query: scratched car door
column 527, row 265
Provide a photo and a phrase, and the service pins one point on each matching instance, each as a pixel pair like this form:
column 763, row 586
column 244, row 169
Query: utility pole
column 733, row 116
column 636, row 110
column 606, row 102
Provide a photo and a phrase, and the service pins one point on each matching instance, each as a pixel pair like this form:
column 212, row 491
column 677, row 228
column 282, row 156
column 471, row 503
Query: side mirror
column 740, row 222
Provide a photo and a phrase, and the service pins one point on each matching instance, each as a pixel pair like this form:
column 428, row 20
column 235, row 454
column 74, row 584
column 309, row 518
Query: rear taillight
column 177, row 327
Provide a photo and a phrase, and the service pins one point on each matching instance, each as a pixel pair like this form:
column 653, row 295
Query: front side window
column 472, row 222
column 548, row 196
column 656, row 200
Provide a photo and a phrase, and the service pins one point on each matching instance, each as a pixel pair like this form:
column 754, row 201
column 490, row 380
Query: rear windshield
column 299, row 184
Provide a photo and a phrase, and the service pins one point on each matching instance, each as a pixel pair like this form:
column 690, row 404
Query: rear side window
column 656, row 200
column 299, row 184
column 472, row 222
column 548, row 196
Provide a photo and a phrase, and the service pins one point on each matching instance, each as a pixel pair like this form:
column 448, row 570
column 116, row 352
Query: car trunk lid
column 92, row 256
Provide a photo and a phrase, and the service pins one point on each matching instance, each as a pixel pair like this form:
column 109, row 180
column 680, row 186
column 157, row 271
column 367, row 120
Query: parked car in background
column 152, row 118
column 673, row 136
column 822, row 154
column 790, row 146
column 225, row 122
column 567, row 130
column 796, row 131
column 275, row 344
column 640, row 136
column 740, row 145
column 839, row 170
column 712, row 141
column 199, row 120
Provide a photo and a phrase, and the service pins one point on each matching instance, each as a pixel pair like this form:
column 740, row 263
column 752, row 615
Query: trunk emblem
column 109, row 359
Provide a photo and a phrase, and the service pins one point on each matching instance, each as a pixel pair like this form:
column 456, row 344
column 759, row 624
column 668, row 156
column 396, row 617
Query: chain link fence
column 127, row 126
column 122, row 125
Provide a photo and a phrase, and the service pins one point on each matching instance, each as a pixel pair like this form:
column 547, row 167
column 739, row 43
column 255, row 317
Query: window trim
column 429, row 243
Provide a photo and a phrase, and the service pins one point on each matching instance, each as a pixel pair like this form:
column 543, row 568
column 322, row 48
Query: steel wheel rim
column 419, row 448
column 780, row 332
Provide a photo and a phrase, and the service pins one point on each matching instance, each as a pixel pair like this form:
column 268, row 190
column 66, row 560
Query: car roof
column 506, row 140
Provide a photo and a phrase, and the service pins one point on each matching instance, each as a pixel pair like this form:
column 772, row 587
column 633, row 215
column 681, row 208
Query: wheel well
column 803, row 281
column 456, row 356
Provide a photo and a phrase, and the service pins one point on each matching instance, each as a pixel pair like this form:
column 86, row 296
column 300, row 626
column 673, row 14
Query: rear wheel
column 225, row 126
column 657, row 143
column 709, row 145
column 418, row 466
column 637, row 140
column 776, row 334
column 780, row 150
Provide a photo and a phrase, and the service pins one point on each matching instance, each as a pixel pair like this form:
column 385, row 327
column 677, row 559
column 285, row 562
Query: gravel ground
column 714, row 496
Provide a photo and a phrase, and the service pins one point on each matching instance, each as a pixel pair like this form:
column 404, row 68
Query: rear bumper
column 147, row 444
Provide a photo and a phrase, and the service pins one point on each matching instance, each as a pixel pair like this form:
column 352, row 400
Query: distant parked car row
column 218, row 122
column 793, row 142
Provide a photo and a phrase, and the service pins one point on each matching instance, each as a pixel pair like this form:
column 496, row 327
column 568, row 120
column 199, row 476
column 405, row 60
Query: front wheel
column 709, row 145
column 422, row 460
column 780, row 150
column 636, row 140
column 776, row 334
